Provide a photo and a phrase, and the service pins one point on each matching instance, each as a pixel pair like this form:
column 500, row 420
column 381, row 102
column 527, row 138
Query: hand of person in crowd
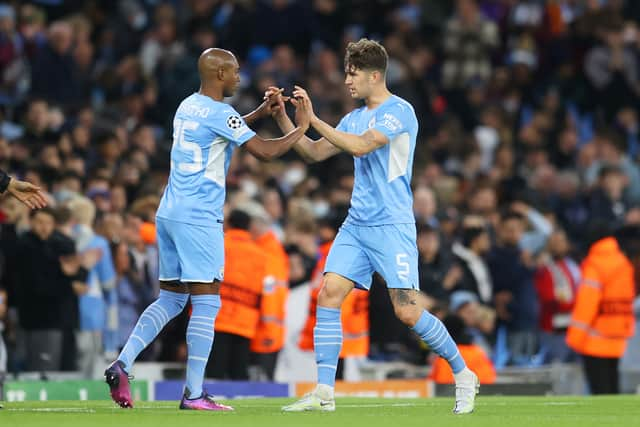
column 304, row 108
column 27, row 193
column 502, row 300
column 90, row 257
column 79, row 288
column 275, row 101
column 70, row 264
column 520, row 207
column 452, row 278
column 3, row 303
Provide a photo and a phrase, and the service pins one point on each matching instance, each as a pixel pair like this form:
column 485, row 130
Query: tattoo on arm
column 402, row 297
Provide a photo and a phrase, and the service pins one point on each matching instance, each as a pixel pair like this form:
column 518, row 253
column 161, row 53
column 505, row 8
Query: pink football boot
column 118, row 381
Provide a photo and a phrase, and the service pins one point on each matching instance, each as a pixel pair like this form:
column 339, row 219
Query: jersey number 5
column 403, row 266
column 214, row 168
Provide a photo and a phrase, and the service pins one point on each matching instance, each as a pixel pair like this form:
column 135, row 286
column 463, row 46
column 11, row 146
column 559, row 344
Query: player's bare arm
column 269, row 149
column 356, row 145
column 311, row 151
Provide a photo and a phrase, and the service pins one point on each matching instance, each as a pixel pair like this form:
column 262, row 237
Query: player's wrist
column 314, row 121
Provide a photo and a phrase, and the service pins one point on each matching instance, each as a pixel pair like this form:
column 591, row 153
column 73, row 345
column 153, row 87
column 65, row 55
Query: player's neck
column 214, row 93
column 377, row 97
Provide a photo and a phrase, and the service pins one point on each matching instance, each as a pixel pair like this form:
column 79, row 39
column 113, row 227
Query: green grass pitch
column 351, row 412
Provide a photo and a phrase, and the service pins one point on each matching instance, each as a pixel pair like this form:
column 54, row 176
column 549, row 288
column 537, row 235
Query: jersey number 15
column 214, row 166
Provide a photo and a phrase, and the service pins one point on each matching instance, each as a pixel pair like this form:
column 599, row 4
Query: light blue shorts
column 190, row 253
column 359, row 251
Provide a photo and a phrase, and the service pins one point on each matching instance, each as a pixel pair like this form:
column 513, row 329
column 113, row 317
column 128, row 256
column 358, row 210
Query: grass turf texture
column 351, row 412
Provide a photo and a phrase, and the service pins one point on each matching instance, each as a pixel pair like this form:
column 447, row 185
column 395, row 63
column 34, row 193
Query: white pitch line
column 89, row 410
column 559, row 403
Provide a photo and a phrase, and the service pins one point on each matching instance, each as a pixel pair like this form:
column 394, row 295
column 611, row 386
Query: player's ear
column 221, row 72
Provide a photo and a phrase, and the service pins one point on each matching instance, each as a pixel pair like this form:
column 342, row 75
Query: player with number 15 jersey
column 189, row 222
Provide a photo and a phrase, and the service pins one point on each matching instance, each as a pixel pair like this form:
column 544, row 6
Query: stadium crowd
column 527, row 153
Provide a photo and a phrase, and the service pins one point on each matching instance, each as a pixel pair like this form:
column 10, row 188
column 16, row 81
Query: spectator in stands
column 133, row 297
column 50, row 278
column 436, row 272
column 557, row 281
column 54, row 63
column 607, row 207
column 469, row 43
column 470, row 254
column 97, row 335
column 425, row 206
column 612, row 70
column 512, row 270
column 13, row 61
column 610, row 150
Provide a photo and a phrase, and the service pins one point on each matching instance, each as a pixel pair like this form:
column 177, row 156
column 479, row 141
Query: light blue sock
column 200, row 340
column 433, row 332
column 152, row 320
column 327, row 342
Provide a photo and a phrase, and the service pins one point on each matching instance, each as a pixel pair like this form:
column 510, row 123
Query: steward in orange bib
column 270, row 332
column 602, row 320
column 241, row 293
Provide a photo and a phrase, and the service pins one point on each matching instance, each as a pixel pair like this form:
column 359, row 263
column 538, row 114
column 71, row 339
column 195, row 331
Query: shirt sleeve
column 392, row 121
column 344, row 124
column 231, row 126
column 105, row 268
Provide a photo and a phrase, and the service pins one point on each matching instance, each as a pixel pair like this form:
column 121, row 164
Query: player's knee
column 174, row 302
column 331, row 295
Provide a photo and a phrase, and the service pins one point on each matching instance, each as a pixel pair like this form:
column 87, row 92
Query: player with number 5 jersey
column 189, row 221
column 379, row 234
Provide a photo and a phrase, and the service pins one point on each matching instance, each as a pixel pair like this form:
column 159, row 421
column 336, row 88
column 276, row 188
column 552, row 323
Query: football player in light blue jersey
column 379, row 233
column 189, row 221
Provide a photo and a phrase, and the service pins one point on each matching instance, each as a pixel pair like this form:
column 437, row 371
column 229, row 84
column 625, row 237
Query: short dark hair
column 239, row 220
column 628, row 237
column 607, row 170
column 509, row 215
column 47, row 210
column 366, row 54
column 469, row 234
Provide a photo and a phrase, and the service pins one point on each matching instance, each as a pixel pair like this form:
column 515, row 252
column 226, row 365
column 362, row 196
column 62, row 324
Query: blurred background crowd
column 527, row 153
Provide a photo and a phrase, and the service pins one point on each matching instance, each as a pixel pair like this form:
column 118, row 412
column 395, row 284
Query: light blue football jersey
column 382, row 189
column 205, row 132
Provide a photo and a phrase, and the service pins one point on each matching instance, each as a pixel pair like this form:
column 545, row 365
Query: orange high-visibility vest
column 241, row 289
column 602, row 318
column 270, row 332
column 475, row 358
column 354, row 315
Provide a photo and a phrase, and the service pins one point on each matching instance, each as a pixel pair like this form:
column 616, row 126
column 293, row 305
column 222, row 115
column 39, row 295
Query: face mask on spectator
column 249, row 187
column 320, row 208
column 294, row 176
